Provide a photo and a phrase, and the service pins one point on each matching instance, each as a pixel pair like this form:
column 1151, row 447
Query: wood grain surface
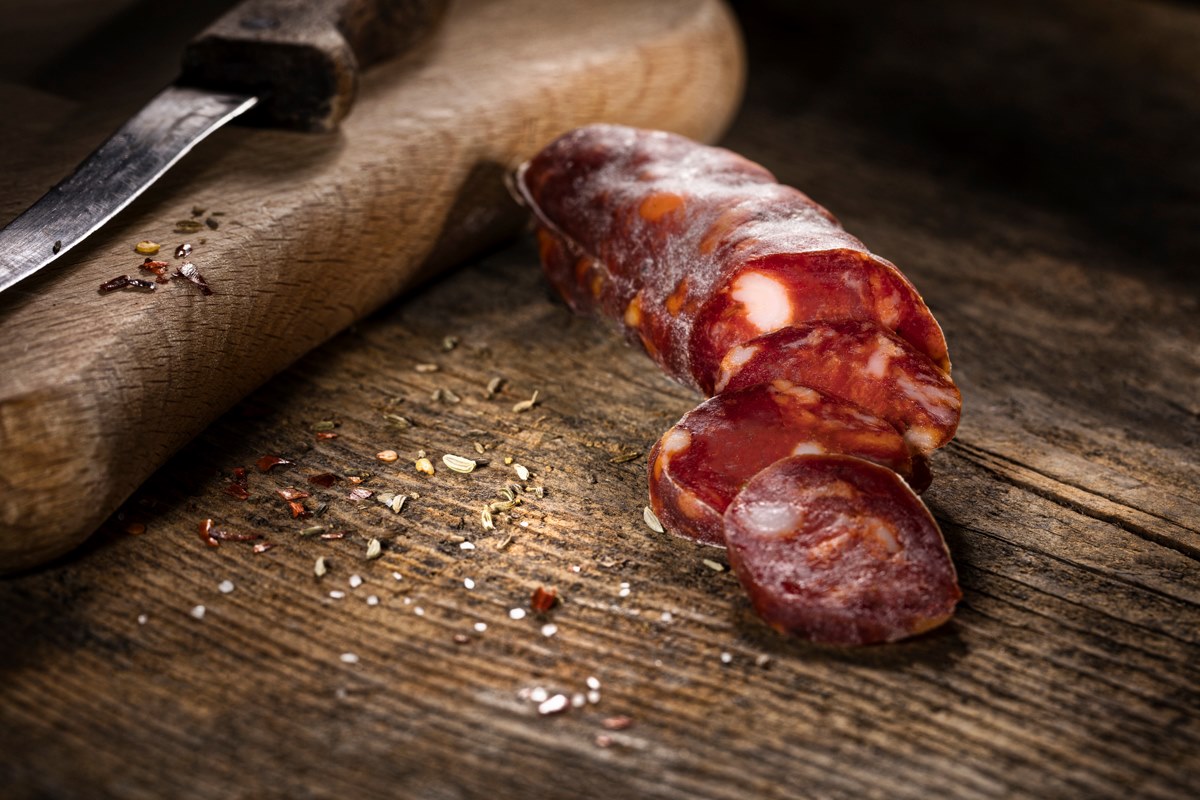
column 1031, row 166
column 309, row 233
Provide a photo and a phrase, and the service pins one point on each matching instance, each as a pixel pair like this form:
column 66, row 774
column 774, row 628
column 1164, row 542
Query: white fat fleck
column 877, row 364
column 802, row 393
column 734, row 360
column 808, row 449
column 772, row 518
column 883, row 532
column 676, row 441
column 932, row 400
column 765, row 300
column 919, row 439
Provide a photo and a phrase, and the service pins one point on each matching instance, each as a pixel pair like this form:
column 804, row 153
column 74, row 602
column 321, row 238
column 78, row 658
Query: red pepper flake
column 263, row 547
column 119, row 282
column 237, row 491
column 187, row 270
column 226, row 536
column 359, row 494
column 206, row 536
column 298, row 510
column 159, row 268
column 543, row 599
column 267, row 463
column 333, row 535
column 325, row 479
column 239, row 476
column 135, row 528
column 291, row 493
column 326, row 435
column 617, row 723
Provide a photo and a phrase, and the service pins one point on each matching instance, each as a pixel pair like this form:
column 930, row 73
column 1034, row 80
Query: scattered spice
column 459, row 463
column 57, row 246
column 263, row 547
column 298, row 510
column 522, row 471
column 183, row 251
column 119, row 282
column 449, row 343
column 290, row 493
column 321, row 567
column 135, row 529
column 426, row 368
column 326, row 435
column 325, row 479
column 387, row 456
column 237, row 491
column 159, row 268
column 187, row 270
column 652, row 519
column 146, row 247
column 358, row 493
column 525, row 405
column 188, row 226
column 226, row 536
column 206, row 527
column 424, row 465
column 323, row 425
column 239, row 476
column 543, row 599
column 462, row 638
column 198, row 211
column 617, row 723
column 212, row 223
column 374, row 550
column 485, row 517
column 493, row 386
column 312, row 530
column 479, row 448
column 268, row 463
column 624, row 458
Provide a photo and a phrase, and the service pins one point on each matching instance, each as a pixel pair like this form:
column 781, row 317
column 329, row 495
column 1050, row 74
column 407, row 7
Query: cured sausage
column 696, row 249
column 839, row 550
column 859, row 362
column 704, row 460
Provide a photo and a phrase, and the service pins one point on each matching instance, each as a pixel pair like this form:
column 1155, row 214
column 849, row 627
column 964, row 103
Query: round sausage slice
column 700, row 464
column 838, row 550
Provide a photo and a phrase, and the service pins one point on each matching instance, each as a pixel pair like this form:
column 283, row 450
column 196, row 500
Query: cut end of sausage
column 840, row 551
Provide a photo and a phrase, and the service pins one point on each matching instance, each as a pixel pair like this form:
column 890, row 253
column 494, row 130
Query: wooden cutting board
column 312, row 232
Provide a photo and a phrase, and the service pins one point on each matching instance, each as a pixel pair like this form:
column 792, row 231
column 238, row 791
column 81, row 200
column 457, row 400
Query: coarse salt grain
column 667, row 617
column 467, row 582
column 554, row 705
column 355, row 581
column 593, row 683
column 578, row 700
column 549, row 629
column 372, row 600
column 517, row 613
column 420, row 612
column 198, row 612
column 538, row 695
column 349, row 658
column 481, row 626
column 397, row 576
column 225, row 587
column 337, row 595
column 467, row 546
column 142, row 619
column 726, row 658
column 593, row 697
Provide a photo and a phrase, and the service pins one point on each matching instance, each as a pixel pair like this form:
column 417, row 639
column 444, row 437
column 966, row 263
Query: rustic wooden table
column 1032, row 167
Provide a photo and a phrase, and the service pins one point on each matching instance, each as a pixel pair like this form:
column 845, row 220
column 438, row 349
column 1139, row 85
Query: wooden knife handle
column 301, row 58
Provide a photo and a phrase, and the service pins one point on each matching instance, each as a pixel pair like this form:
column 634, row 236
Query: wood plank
column 1058, row 251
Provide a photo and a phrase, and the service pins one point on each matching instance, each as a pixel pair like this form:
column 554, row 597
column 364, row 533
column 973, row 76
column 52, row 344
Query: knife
column 281, row 63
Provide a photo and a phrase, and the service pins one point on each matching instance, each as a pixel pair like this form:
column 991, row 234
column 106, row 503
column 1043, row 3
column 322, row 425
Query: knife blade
column 290, row 63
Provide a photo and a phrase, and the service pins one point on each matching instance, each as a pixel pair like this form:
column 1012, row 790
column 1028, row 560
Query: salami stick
column 695, row 249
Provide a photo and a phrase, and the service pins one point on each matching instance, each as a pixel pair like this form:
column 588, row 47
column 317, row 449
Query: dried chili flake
column 325, row 479
column 226, row 536
column 326, row 435
column 263, row 547
column 119, row 282
column 187, row 270
column 239, row 476
column 159, row 268
column 298, row 510
column 617, row 723
column 237, row 491
column 267, row 463
column 543, row 599
column 206, row 531
column 359, row 494
column 292, row 493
